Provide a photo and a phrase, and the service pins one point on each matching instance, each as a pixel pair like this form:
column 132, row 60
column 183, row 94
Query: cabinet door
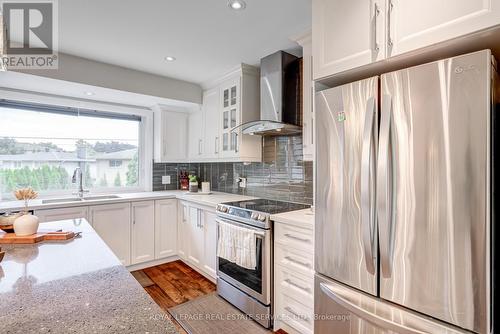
column 143, row 231
column 183, row 230
column 112, row 223
column 76, row 213
column 195, row 137
column 347, row 34
column 416, row 24
column 174, row 134
column 165, row 228
column 211, row 111
column 307, row 100
column 196, row 235
column 210, row 236
column 230, row 100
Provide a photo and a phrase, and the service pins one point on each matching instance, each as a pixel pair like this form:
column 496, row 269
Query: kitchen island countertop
column 76, row 286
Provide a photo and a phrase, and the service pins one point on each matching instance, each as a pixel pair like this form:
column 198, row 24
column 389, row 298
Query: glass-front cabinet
column 230, row 117
column 228, row 102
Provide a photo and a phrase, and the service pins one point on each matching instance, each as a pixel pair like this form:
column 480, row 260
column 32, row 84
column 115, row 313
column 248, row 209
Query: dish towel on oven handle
column 238, row 245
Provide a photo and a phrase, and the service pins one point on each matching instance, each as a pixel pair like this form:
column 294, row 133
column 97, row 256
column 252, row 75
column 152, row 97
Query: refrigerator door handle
column 365, row 314
column 385, row 187
column 367, row 185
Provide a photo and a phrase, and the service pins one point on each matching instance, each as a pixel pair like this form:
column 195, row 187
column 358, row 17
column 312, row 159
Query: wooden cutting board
column 12, row 238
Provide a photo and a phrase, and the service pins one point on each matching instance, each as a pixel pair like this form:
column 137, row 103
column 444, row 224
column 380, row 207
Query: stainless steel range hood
column 280, row 97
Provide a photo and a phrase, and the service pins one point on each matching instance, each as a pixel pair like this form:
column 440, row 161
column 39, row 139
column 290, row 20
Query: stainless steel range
column 247, row 289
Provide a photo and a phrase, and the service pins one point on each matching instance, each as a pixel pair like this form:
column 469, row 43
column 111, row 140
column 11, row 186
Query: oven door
column 256, row 283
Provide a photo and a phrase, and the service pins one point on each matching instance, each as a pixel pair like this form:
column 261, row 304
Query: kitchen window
column 41, row 146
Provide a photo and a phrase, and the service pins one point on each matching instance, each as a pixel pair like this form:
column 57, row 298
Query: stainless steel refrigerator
column 404, row 198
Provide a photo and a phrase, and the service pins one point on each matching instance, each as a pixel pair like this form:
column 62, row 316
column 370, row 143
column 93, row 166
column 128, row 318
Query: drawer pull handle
column 289, row 281
column 288, row 235
column 308, row 265
column 296, row 314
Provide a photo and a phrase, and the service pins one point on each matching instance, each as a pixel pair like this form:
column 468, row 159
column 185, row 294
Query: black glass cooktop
column 268, row 206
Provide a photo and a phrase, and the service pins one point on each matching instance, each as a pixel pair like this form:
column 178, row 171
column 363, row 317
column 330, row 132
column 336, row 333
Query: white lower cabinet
column 293, row 279
column 183, row 230
column 49, row 215
column 165, row 228
column 112, row 223
column 197, row 237
column 143, row 232
column 210, row 236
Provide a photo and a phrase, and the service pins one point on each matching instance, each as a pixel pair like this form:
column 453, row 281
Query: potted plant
column 27, row 224
column 193, row 183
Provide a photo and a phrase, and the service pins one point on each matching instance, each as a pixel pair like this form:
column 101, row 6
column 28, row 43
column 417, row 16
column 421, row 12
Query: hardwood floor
column 174, row 283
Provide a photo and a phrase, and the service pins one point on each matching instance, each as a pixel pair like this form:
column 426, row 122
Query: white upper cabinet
column 307, row 97
column 195, row 135
column 416, row 24
column 228, row 102
column 143, row 232
column 211, row 137
column 230, row 95
column 350, row 34
column 170, row 136
column 346, row 34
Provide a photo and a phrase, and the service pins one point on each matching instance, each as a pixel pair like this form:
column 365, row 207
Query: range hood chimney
column 280, row 97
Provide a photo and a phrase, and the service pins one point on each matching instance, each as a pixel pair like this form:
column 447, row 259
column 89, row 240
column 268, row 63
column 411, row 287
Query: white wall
column 89, row 72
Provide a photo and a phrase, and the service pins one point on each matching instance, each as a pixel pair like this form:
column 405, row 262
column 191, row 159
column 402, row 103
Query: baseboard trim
column 153, row 263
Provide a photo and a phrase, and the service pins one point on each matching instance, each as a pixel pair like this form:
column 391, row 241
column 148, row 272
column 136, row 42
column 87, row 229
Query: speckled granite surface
column 73, row 287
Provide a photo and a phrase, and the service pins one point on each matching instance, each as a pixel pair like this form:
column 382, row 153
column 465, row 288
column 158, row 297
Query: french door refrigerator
column 404, row 197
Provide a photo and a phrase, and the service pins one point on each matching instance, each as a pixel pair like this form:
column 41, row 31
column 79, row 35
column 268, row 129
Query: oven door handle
column 228, row 222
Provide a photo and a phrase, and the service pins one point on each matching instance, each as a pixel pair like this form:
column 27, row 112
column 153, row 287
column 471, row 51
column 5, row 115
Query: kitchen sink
column 77, row 199
column 61, row 200
column 93, row 198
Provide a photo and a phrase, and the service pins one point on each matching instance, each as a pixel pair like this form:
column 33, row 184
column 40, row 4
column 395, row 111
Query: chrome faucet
column 78, row 174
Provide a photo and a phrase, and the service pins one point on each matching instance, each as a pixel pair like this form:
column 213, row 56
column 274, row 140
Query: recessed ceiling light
column 89, row 93
column 236, row 4
column 169, row 58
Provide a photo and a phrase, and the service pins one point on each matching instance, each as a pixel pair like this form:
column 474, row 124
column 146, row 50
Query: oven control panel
column 242, row 213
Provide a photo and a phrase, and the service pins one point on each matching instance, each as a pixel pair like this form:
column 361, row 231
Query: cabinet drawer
column 294, row 259
column 300, row 238
column 295, row 315
column 294, row 285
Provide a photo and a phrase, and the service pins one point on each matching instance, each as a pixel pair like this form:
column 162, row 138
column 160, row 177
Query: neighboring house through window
column 41, row 146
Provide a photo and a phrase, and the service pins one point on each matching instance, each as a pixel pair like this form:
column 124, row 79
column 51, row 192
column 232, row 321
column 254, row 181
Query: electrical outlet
column 165, row 179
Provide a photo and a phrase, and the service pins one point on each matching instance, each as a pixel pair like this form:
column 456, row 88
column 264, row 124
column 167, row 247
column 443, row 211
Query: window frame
column 145, row 149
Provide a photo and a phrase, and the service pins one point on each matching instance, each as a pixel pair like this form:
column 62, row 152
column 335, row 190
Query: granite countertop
column 208, row 200
column 301, row 218
column 76, row 286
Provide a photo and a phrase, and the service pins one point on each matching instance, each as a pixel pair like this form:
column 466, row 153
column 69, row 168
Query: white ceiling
column 205, row 36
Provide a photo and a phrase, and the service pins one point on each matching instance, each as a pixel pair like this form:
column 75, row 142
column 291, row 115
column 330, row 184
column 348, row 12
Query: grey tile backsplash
column 282, row 175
